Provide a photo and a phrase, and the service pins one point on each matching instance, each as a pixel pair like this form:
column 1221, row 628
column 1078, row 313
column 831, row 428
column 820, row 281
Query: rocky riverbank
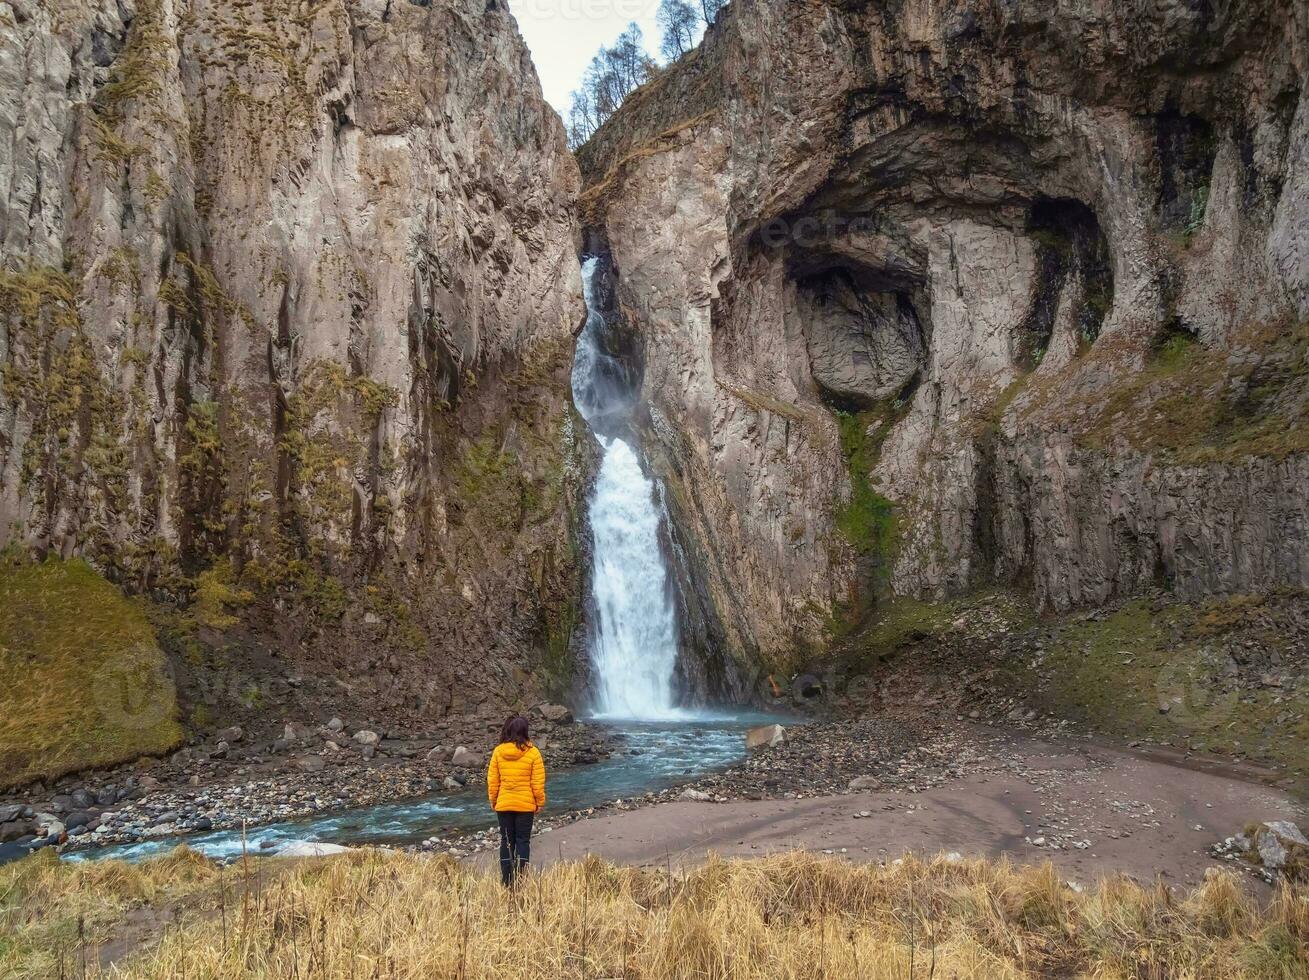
column 232, row 779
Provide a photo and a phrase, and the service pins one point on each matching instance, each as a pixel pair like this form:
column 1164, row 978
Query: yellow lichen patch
column 330, row 422
column 82, row 678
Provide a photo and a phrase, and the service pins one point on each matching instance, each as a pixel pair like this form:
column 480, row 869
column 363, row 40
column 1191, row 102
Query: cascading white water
column 634, row 644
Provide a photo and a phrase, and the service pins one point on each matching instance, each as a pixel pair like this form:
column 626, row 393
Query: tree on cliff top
column 678, row 21
column 613, row 73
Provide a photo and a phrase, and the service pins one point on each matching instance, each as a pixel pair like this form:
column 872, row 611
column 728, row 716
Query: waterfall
column 634, row 642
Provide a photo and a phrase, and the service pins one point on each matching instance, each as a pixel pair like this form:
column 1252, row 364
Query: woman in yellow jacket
column 515, row 782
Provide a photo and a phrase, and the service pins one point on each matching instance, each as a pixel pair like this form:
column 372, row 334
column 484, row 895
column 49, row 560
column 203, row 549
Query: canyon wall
column 286, row 300
column 937, row 296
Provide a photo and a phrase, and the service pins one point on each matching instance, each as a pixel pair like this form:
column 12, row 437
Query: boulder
column 698, row 796
column 368, row 751
column 82, row 798
column 465, row 757
column 78, row 818
column 555, row 713
column 233, row 734
column 48, row 825
column 365, row 737
column 439, row 753
column 863, row 783
column 335, row 725
column 452, row 784
column 12, row 830
column 10, row 812
column 1281, row 846
column 311, row 763
column 108, row 796
column 764, row 736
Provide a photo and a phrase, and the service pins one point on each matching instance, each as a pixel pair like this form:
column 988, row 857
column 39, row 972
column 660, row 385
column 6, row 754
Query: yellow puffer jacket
column 515, row 778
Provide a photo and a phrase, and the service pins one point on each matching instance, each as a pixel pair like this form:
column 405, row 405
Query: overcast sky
column 564, row 36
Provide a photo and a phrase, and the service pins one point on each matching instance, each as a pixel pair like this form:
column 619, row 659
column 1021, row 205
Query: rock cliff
column 286, row 300
column 934, row 296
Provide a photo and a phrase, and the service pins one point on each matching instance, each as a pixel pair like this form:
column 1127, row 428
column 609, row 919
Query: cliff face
column 935, row 296
column 286, row 295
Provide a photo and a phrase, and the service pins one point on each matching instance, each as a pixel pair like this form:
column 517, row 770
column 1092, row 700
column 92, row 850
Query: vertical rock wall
column 286, row 295
column 942, row 295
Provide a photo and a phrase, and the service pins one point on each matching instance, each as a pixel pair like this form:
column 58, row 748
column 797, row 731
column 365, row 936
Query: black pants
column 515, row 843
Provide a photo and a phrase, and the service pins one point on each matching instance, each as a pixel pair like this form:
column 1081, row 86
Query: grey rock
column 764, row 736
column 366, row 737
column 556, row 713
column 335, row 725
column 82, row 798
column 465, row 757
column 864, row 783
column 12, row 830
column 311, row 763
column 78, row 818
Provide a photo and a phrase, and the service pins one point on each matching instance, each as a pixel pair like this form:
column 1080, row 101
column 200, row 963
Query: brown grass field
column 374, row 914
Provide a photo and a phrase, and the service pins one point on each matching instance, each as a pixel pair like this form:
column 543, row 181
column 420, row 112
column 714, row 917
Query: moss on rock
column 82, row 678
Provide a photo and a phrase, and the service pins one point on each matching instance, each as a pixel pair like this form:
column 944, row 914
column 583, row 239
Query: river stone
column 82, row 798
column 764, row 736
column 696, row 795
column 78, row 818
column 365, row 737
column 861, row 783
column 10, row 812
column 465, row 757
column 12, row 830
column 452, row 784
column 233, row 734
column 335, row 725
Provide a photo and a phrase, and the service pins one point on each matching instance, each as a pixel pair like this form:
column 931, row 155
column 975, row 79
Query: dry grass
column 373, row 914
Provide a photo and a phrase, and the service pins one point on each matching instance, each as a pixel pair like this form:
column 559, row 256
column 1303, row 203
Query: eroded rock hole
column 1074, row 278
column 863, row 334
column 1185, row 146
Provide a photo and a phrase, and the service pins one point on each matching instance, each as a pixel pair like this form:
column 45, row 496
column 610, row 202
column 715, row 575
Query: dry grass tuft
column 376, row 914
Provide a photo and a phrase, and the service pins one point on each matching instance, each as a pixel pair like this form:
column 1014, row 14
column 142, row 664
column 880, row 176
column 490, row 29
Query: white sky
column 564, row 36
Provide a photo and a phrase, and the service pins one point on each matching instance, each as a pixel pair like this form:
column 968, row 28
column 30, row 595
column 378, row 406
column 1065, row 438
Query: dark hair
column 515, row 731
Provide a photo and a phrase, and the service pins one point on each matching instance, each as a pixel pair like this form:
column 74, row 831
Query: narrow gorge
column 870, row 354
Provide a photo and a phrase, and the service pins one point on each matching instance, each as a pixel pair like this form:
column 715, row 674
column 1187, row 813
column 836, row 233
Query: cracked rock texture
column 286, row 295
column 938, row 295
